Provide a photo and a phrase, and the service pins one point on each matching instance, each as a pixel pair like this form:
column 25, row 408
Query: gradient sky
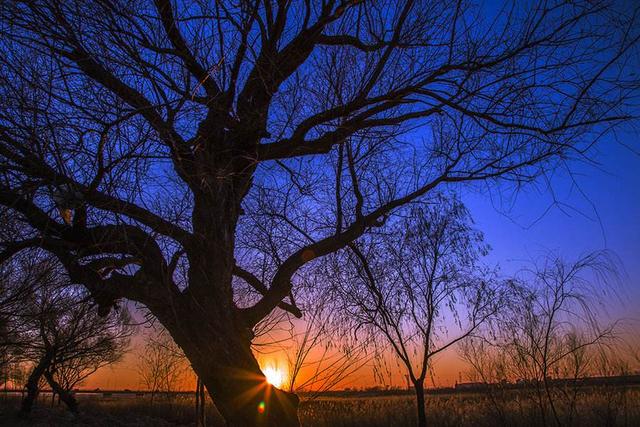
column 599, row 208
column 595, row 207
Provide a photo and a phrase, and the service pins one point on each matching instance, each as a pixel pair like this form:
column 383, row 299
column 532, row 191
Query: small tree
column 551, row 336
column 161, row 364
column 162, row 367
column 89, row 342
column 489, row 365
column 20, row 278
column 68, row 341
column 420, row 289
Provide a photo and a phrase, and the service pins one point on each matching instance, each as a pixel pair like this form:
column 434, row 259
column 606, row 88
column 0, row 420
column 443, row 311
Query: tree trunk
column 239, row 389
column 547, row 389
column 418, row 385
column 220, row 353
column 32, row 382
column 202, row 415
column 208, row 326
column 197, row 401
column 65, row 395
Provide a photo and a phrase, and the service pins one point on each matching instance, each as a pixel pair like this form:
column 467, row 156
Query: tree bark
column 219, row 349
column 32, row 382
column 419, row 388
column 241, row 392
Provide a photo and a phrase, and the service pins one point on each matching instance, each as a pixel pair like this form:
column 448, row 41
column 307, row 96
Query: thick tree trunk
column 422, row 418
column 239, row 389
column 32, row 382
column 220, row 353
column 65, row 395
column 206, row 323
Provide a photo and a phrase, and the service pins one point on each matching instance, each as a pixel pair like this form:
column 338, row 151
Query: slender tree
column 161, row 365
column 139, row 137
column 20, row 278
column 420, row 288
column 555, row 322
column 551, row 336
column 15, row 288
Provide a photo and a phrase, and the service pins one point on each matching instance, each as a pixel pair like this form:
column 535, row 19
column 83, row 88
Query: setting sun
column 274, row 376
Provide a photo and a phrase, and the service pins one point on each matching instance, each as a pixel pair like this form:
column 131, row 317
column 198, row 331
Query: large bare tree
column 142, row 137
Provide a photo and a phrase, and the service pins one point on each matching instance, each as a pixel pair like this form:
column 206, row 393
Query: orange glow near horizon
column 124, row 375
column 448, row 368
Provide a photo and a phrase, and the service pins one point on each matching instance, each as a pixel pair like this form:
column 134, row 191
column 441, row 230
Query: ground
column 618, row 407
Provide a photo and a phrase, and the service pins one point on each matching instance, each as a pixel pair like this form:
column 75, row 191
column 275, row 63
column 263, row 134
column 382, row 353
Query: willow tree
column 420, row 288
column 145, row 143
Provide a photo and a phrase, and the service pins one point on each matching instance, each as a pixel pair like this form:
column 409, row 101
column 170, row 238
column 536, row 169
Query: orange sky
column 124, row 376
column 448, row 368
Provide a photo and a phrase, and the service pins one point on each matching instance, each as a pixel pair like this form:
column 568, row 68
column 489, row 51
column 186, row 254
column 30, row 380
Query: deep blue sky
column 603, row 213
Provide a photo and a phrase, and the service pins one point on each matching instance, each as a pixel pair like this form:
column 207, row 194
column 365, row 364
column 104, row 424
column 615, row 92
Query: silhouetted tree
column 15, row 288
column 141, row 137
column 21, row 277
column 161, row 364
column 551, row 331
column 420, row 288
column 66, row 339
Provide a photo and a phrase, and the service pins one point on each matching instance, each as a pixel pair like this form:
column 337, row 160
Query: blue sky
column 601, row 212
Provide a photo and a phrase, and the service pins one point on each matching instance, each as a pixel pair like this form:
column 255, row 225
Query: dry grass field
column 594, row 407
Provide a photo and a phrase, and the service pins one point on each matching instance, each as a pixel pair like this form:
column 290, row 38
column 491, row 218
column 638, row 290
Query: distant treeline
column 586, row 381
column 616, row 380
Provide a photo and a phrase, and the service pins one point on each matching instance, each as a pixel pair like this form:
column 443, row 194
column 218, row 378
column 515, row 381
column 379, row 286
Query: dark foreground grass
column 595, row 407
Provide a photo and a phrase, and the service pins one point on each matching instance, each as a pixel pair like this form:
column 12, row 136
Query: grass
column 595, row 407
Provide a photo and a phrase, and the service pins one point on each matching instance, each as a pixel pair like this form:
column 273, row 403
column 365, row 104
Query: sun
column 274, row 376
